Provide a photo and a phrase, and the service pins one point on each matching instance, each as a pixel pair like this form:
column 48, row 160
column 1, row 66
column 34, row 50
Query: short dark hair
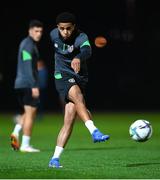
column 66, row 17
column 35, row 23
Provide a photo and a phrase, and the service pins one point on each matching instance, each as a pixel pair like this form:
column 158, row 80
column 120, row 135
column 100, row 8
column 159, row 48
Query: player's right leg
column 14, row 142
column 14, row 137
column 54, row 163
column 30, row 113
column 29, row 104
column 64, row 134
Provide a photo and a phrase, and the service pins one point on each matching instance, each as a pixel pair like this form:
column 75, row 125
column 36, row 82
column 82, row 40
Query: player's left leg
column 76, row 96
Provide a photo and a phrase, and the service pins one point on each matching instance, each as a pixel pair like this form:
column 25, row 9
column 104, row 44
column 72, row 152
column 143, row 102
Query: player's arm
column 84, row 53
column 85, row 50
column 28, row 70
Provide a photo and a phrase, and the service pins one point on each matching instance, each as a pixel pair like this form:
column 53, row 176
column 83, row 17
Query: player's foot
column 97, row 136
column 14, row 142
column 54, row 163
column 29, row 149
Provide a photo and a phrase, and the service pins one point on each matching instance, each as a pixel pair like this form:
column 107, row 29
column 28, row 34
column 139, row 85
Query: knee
column 70, row 110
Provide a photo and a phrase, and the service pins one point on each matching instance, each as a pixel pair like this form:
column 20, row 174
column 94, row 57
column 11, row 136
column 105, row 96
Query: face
column 36, row 33
column 66, row 29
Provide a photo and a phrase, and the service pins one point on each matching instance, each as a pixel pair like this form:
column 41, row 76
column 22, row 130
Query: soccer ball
column 140, row 130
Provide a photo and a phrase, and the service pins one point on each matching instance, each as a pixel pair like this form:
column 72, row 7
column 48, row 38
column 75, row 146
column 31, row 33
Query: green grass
column 118, row 158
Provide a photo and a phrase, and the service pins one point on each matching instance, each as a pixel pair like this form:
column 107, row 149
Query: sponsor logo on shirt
column 55, row 45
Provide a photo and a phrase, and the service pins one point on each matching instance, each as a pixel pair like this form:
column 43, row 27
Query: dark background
column 124, row 75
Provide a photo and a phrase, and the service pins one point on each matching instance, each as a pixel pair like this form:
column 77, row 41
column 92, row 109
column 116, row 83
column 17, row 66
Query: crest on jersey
column 72, row 80
column 70, row 48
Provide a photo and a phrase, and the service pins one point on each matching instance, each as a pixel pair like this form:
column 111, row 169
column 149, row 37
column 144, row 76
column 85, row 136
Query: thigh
column 63, row 85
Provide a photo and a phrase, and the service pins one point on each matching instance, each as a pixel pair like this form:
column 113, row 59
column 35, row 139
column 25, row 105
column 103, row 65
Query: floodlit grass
column 118, row 158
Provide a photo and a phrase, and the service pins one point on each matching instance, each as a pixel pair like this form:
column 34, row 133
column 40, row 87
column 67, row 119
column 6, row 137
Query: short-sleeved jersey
column 65, row 50
column 27, row 74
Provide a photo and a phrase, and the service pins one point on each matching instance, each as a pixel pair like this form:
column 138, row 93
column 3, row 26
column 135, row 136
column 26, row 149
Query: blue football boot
column 54, row 163
column 97, row 136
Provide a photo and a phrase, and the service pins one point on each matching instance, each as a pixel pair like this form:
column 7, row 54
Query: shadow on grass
column 142, row 164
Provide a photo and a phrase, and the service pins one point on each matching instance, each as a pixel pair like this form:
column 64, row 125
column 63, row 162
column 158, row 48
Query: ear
column 29, row 31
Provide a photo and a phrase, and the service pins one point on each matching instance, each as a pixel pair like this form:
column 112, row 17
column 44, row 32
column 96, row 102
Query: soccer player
column 72, row 50
column 26, row 86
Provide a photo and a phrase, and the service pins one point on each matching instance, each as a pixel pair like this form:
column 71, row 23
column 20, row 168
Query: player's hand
column 75, row 64
column 35, row 92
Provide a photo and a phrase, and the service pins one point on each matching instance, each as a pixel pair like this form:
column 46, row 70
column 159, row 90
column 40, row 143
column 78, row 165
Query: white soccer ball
column 140, row 130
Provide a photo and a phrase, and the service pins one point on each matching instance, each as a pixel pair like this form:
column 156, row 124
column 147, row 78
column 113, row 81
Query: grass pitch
column 118, row 158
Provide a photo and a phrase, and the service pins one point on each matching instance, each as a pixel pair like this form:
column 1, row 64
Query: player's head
column 66, row 22
column 35, row 29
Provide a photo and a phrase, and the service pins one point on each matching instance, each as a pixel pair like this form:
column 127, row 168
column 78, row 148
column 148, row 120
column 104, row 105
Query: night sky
column 124, row 75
